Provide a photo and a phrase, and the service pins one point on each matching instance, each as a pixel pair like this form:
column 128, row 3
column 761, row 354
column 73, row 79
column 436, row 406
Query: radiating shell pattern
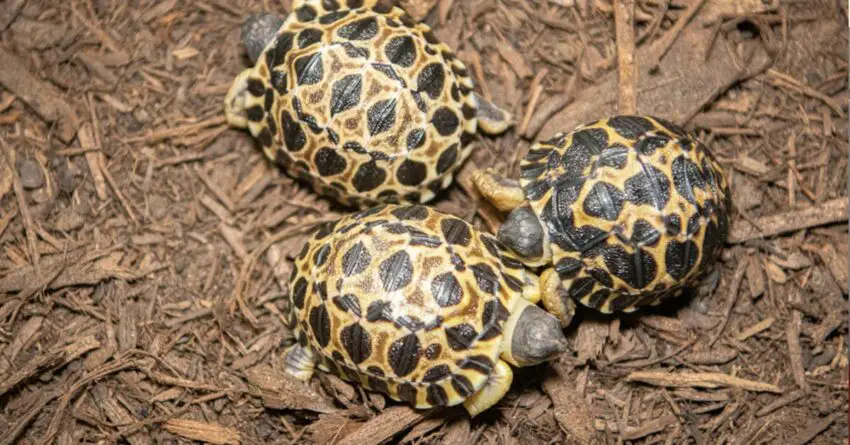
column 635, row 208
column 407, row 301
column 366, row 104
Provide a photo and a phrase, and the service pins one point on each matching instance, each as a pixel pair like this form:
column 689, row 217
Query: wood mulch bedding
column 144, row 245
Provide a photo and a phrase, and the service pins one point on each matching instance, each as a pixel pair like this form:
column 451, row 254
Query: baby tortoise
column 359, row 100
column 627, row 211
column 416, row 304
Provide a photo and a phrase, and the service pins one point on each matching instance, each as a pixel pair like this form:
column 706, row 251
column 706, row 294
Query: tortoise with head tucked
column 359, row 100
column 416, row 304
column 626, row 211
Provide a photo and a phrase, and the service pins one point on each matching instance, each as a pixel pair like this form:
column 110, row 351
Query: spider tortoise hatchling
column 416, row 304
column 627, row 210
column 359, row 100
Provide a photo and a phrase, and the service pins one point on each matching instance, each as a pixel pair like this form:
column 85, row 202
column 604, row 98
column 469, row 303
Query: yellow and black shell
column 405, row 300
column 365, row 104
column 636, row 209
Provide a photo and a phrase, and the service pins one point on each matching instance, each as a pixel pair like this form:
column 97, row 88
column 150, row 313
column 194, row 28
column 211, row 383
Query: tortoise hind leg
column 300, row 362
column 505, row 194
column 555, row 298
column 491, row 119
column 492, row 391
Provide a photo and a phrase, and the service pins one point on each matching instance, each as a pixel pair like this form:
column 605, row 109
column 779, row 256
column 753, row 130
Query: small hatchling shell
column 361, row 101
column 408, row 301
column 632, row 209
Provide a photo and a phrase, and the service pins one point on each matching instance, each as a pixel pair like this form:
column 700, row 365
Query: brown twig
column 827, row 212
column 779, row 79
column 664, row 43
column 29, row 226
column 795, row 351
column 536, row 88
column 624, row 12
column 733, row 297
column 44, row 98
column 700, row 380
column 814, row 428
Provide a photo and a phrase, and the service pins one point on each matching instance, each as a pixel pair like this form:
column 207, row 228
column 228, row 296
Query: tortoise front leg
column 300, row 362
column 555, row 298
column 505, row 194
column 491, row 119
column 496, row 387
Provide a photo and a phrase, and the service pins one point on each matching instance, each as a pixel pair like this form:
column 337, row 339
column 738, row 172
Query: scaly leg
column 505, row 194
column 492, row 391
column 491, row 119
column 300, row 362
column 555, row 298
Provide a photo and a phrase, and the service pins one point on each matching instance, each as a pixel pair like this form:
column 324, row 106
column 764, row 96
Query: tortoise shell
column 365, row 104
column 405, row 300
column 635, row 208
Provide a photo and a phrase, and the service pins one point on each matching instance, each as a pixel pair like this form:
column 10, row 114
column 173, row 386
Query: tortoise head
column 525, row 234
column 257, row 31
column 532, row 336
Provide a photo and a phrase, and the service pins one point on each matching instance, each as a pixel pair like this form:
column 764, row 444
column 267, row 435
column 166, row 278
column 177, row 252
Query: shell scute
column 397, row 314
column 392, row 103
column 635, row 209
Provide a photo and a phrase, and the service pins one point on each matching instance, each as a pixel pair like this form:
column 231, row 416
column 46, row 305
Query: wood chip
column 836, row 264
column 755, row 277
column 795, row 351
column 571, row 410
column 50, row 359
column 814, row 429
column 827, row 212
column 185, row 53
column 280, row 391
column 384, row 426
column 203, row 431
column 44, row 98
column 516, row 61
column 651, row 427
column 755, row 329
column 93, row 155
column 699, row 380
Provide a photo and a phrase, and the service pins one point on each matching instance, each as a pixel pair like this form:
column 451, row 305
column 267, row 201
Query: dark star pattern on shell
column 395, row 314
column 363, row 103
column 635, row 207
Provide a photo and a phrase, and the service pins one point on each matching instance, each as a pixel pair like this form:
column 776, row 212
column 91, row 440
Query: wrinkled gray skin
column 522, row 232
column 257, row 31
column 537, row 337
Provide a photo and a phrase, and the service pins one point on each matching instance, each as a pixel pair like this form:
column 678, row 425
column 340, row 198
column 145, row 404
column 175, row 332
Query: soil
column 144, row 245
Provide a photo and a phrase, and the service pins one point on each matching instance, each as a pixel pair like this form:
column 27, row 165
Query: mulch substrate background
column 144, row 245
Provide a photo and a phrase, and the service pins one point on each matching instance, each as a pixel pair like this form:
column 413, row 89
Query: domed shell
column 365, row 104
column 405, row 300
column 636, row 209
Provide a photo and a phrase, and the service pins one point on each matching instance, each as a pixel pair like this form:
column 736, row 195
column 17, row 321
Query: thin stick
column 624, row 14
column 795, row 351
column 733, row 297
column 667, row 40
column 777, row 78
column 22, row 207
column 700, row 380
column 817, row 215
column 536, row 89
